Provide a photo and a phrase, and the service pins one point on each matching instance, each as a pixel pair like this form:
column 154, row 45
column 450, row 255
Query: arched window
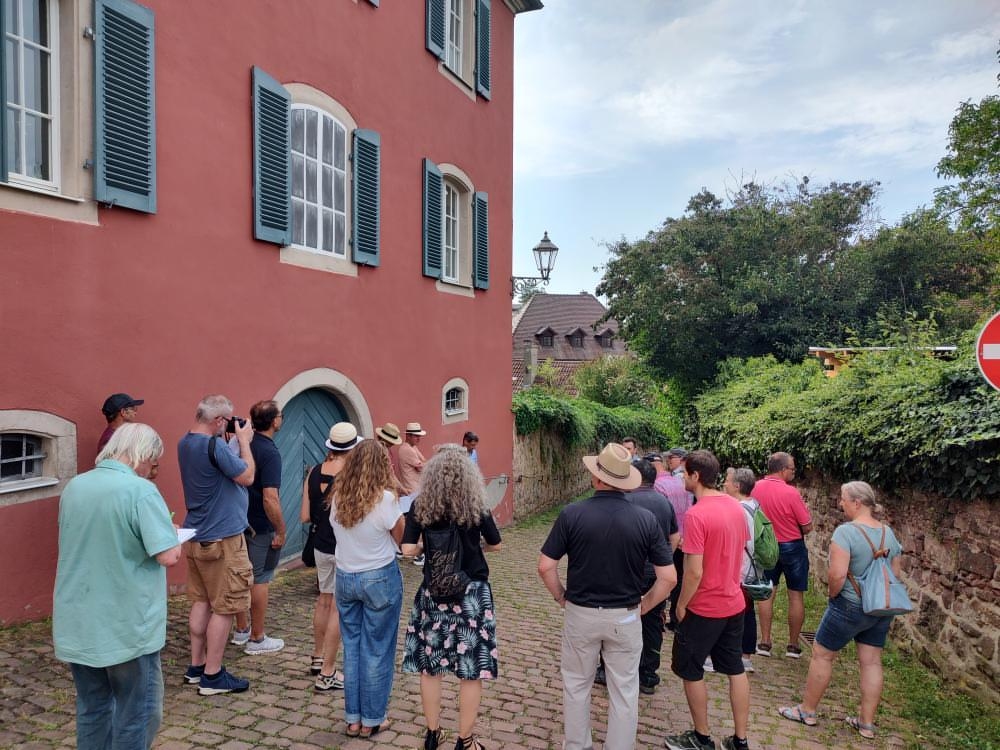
column 454, row 401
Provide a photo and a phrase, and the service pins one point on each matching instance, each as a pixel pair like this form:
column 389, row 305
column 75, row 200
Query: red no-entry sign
column 988, row 351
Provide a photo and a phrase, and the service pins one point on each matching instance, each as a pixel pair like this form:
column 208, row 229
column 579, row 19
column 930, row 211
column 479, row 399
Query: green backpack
column 765, row 543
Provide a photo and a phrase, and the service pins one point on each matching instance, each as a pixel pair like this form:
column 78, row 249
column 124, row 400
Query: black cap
column 118, row 401
column 653, row 457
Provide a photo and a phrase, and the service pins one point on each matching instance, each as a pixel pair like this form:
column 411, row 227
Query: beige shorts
column 326, row 572
column 220, row 573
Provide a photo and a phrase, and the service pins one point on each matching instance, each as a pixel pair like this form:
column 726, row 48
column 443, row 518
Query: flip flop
column 353, row 730
column 369, row 732
column 795, row 713
column 865, row 730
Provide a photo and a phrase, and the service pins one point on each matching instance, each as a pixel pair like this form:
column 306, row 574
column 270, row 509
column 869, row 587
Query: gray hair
column 744, row 479
column 132, row 443
column 213, row 407
column 860, row 491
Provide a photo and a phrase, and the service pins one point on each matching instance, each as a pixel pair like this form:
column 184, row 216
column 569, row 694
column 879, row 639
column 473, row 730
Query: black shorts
column 698, row 637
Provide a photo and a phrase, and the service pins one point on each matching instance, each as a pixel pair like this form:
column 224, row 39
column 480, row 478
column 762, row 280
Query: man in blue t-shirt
column 265, row 534
column 219, row 570
column 109, row 618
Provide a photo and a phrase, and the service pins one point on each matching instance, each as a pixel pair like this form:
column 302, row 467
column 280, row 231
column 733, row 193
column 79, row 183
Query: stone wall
column 546, row 473
column 950, row 567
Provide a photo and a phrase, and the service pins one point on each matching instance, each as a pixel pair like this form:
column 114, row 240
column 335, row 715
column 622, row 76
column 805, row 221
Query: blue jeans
column 119, row 706
column 369, row 604
column 844, row 621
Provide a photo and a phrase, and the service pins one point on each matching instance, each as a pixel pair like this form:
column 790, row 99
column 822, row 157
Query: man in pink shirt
column 784, row 507
column 411, row 460
column 711, row 604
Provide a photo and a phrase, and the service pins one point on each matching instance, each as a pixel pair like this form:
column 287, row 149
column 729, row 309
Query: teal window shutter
column 366, row 196
column 124, row 104
column 481, row 241
column 483, row 48
column 3, row 94
column 433, row 230
column 435, row 27
column 272, row 161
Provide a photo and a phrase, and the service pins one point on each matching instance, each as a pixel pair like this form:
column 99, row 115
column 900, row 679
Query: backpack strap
column 882, row 551
column 211, row 452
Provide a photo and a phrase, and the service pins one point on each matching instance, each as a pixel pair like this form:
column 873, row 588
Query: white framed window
column 455, row 401
column 452, row 232
column 319, row 181
column 37, row 455
column 456, row 40
column 31, row 57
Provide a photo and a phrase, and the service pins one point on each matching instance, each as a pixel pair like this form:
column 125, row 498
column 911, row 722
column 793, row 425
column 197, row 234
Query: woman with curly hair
column 368, row 525
column 458, row 634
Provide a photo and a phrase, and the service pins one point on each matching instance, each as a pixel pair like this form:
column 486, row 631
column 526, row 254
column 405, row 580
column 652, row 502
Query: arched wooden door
column 305, row 427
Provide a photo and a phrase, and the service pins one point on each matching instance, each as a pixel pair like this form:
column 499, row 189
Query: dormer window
column 576, row 340
column 606, row 338
column 545, row 339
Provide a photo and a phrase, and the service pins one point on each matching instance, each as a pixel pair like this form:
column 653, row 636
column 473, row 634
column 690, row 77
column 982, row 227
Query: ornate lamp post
column 545, row 258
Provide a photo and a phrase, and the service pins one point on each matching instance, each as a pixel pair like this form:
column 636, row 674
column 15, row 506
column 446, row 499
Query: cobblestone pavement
column 520, row 710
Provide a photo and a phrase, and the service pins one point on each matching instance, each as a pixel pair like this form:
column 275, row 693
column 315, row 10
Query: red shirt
column 783, row 506
column 716, row 529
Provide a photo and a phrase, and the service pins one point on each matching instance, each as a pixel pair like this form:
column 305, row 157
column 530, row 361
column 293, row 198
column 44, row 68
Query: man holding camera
column 219, row 569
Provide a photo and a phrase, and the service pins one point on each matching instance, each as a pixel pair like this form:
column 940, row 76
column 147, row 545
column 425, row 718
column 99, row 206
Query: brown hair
column 360, row 484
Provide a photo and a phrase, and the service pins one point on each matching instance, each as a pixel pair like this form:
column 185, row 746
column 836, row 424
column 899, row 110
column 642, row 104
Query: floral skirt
column 459, row 638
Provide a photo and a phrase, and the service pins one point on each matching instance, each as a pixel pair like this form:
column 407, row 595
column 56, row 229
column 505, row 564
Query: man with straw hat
column 607, row 541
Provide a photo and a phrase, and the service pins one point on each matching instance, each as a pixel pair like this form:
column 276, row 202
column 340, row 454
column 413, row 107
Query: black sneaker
column 222, row 683
column 599, row 678
column 647, row 689
column 687, row 741
column 793, row 652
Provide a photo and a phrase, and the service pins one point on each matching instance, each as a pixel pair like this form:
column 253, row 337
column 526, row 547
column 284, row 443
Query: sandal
column 865, row 730
column 432, row 739
column 369, row 732
column 795, row 713
column 469, row 743
column 353, row 730
column 317, row 665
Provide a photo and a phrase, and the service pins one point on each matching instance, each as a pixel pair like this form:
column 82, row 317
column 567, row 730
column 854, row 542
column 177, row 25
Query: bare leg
column 331, row 641
column 430, row 697
column 216, row 636
column 870, row 659
column 820, row 669
column 320, row 616
column 469, row 694
column 243, row 619
column 765, row 613
column 796, row 615
column 739, row 699
column 258, row 609
column 697, row 698
column 197, row 628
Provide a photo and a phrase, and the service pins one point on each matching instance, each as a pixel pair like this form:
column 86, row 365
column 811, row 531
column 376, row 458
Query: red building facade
column 306, row 201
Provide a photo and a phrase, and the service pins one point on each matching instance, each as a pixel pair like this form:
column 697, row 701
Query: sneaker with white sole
column 793, row 652
column 326, row 682
column 419, row 561
column 193, row 674
column 266, row 645
column 747, row 664
column 222, row 683
column 240, row 637
column 764, row 649
column 687, row 741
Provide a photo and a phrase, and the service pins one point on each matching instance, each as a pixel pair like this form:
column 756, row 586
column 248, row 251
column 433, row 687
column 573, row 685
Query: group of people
column 116, row 538
column 622, row 545
column 656, row 530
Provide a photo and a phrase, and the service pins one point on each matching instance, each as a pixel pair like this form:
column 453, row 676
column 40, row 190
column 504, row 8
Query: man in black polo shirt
column 607, row 540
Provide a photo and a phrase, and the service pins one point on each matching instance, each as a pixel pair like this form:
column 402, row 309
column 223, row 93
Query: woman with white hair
column 456, row 634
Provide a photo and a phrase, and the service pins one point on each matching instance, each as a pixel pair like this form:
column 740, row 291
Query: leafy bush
column 893, row 418
column 584, row 423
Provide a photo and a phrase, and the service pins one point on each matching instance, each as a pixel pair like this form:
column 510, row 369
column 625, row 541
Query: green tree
column 616, row 381
column 973, row 158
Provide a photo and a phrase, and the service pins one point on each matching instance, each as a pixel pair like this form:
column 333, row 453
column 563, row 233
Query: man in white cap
column 607, row 540
column 411, row 460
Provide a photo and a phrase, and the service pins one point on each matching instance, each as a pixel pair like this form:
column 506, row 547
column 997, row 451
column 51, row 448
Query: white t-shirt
column 367, row 545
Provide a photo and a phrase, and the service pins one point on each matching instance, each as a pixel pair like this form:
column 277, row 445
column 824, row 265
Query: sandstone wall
column 546, row 473
column 950, row 567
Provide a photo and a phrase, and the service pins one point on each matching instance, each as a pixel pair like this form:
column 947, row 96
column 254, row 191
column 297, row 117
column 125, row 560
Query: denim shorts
column 844, row 621
column 793, row 562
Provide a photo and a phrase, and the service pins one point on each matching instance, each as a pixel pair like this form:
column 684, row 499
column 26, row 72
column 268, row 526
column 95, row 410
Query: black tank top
column 319, row 514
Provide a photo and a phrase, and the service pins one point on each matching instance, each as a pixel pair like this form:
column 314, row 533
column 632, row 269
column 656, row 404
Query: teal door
column 306, row 425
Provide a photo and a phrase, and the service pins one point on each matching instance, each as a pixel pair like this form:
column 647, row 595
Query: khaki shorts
column 220, row 573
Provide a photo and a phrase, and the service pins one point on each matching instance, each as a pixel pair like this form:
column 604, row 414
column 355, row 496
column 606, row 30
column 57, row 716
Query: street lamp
column 545, row 258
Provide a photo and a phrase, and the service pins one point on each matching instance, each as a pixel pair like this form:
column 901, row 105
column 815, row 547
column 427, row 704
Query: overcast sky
column 624, row 109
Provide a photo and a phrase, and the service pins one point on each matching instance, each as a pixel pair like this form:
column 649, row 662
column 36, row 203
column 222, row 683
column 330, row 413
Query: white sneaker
column 747, row 664
column 240, row 637
column 708, row 666
column 266, row 645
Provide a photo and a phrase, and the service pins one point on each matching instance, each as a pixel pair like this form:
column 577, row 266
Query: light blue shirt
column 110, row 601
column 216, row 505
column 849, row 537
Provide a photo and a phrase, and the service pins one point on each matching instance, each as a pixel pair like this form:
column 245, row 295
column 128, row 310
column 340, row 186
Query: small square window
column 576, row 340
column 21, row 457
column 545, row 339
column 454, row 401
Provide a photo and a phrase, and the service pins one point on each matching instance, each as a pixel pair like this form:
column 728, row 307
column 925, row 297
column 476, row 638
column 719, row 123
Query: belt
column 627, row 607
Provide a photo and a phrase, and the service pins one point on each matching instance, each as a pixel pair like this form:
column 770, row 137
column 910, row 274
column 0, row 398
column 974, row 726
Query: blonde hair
column 451, row 490
column 360, row 484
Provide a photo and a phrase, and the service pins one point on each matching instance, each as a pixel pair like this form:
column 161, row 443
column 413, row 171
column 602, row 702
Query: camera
column 232, row 422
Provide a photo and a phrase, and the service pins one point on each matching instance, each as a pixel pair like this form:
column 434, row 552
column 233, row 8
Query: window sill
column 33, row 200
column 452, row 288
column 295, row 256
column 20, row 485
column 460, row 83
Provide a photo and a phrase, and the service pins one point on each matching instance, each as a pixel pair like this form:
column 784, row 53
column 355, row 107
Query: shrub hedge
column 898, row 418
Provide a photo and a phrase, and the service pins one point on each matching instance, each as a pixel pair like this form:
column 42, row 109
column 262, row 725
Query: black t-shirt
column 657, row 504
column 319, row 514
column 473, row 561
column 267, row 473
column 608, row 540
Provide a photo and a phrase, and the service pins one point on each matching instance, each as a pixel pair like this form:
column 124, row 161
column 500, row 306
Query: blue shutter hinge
column 89, row 33
column 88, row 163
